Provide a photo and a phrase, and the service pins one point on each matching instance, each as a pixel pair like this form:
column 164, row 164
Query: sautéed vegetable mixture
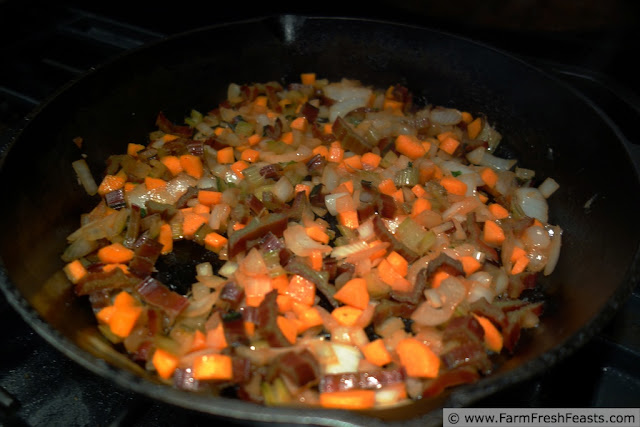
column 363, row 251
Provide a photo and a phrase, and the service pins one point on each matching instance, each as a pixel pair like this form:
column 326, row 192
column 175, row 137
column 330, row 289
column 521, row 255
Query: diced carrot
column 392, row 104
column 322, row 150
column 254, row 139
column 173, row 164
column 191, row 223
column 348, row 399
column 216, row 338
column 308, row 316
column 250, row 155
column 199, row 341
column 417, row 359
column 354, row 293
column 124, row 319
column 454, row 185
column 154, row 183
column 449, row 145
column 106, row 314
column 287, row 137
column 302, row 187
column 301, row 290
column 438, row 277
column 353, row 162
column 128, row 186
column 285, row 303
column 537, row 222
column 469, row 264
column 444, row 135
column 370, row 160
column 238, row 167
column 392, row 278
column 376, row 352
column 299, row 123
column 349, row 219
column 398, row 262
column 133, row 149
column 316, row 259
column 192, row 165
column 467, row 117
column 167, row 137
column 398, row 195
column 418, row 190
column 226, row 156
column 489, row 177
column 420, row 205
column 346, row 315
column 213, row 367
column 109, row 267
column 474, row 128
column 201, row 209
column 166, row 238
column 261, row 101
column 209, row 197
column 215, row 241
column 288, row 327
column 249, row 328
column 336, row 153
column 437, row 172
column 498, row 211
column 517, row 253
column 111, row 183
column 219, row 130
column 483, row 198
column 493, row 233
column 387, row 186
column 410, row 146
column 308, row 78
column 520, row 264
column 492, row 336
column 280, row 283
column 75, row 271
column 165, row 363
column 317, row 234
column 124, row 299
column 346, row 186
column 115, row 253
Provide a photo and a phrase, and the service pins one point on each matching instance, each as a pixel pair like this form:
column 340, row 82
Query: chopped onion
column 445, row 116
column 548, row 187
column 451, row 292
column 85, row 177
column 532, row 203
column 331, row 202
column 283, row 189
column 497, row 163
column 297, row 240
column 348, row 358
column 554, row 250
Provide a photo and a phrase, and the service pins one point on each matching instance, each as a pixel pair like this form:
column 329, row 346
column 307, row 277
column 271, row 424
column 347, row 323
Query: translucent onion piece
column 554, row 250
column 532, row 203
column 548, row 187
column 85, row 177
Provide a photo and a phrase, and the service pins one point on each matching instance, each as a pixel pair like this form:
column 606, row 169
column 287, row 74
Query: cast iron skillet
column 545, row 124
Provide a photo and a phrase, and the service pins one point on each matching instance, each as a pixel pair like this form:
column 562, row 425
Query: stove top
column 50, row 45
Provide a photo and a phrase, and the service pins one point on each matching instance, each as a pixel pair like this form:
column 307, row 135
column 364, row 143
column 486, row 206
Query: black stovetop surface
column 44, row 46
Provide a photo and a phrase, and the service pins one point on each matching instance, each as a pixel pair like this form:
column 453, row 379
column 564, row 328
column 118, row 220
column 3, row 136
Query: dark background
column 591, row 44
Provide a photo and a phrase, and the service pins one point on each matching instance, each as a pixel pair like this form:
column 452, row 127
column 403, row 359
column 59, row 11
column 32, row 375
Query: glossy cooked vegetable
column 363, row 251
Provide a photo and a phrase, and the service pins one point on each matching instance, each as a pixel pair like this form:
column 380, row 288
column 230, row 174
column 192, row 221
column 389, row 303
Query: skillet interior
column 548, row 127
